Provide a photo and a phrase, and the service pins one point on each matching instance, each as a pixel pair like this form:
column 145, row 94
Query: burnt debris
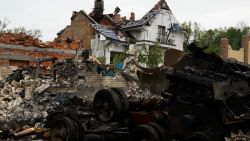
column 202, row 97
column 206, row 99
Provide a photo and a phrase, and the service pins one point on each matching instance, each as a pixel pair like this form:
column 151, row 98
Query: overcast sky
column 50, row 16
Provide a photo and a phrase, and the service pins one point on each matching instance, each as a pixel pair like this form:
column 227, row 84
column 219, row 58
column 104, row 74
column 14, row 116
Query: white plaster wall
column 138, row 34
column 97, row 46
column 102, row 48
column 179, row 39
column 150, row 33
column 116, row 47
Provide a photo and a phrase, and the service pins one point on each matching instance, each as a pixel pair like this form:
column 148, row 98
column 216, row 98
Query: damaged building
column 106, row 35
column 21, row 50
column 242, row 55
column 103, row 35
column 206, row 99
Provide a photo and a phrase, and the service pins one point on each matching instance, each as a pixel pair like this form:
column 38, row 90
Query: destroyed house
column 21, row 50
column 158, row 26
column 97, row 32
column 107, row 44
column 106, row 35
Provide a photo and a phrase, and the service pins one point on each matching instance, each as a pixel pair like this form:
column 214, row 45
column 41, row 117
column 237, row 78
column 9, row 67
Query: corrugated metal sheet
column 106, row 32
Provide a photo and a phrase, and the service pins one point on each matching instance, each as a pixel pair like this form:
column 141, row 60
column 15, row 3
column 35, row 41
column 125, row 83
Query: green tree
column 211, row 38
column 197, row 31
column 152, row 56
column 188, row 33
column 118, row 58
column 234, row 36
column 245, row 29
column 187, row 27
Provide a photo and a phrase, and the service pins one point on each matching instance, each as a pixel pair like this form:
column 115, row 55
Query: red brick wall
column 4, row 62
column 224, row 48
column 33, row 54
column 19, row 63
column 245, row 45
column 79, row 29
column 106, row 22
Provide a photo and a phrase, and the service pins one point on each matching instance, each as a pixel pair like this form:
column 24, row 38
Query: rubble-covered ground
column 25, row 102
column 197, row 102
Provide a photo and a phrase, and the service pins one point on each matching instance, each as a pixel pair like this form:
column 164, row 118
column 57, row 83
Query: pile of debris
column 24, row 113
column 26, row 100
column 17, row 104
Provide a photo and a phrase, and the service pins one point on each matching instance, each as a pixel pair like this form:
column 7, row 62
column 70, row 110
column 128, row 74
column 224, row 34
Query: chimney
column 98, row 9
column 117, row 10
column 245, row 45
column 132, row 16
column 224, row 48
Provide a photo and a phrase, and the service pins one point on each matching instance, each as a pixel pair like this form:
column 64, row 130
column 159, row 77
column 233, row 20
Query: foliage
column 152, row 57
column 101, row 60
column 234, row 35
column 118, row 58
column 187, row 27
column 197, row 31
column 35, row 33
column 211, row 38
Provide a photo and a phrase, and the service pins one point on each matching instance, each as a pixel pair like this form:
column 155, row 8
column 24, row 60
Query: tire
column 201, row 136
column 161, row 131
column 123, row 98
column 92, row 137
column 64, row 129
column 107, row 105
column 144, row 133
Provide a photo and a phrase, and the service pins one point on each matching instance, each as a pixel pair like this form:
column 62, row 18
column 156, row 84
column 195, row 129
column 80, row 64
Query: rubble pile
column 19, row 112
column 25, row 102
column 17, row 103
column 194, row 99
column 21, row 103
column 135, row 91
column 26, row 106
column 66, row 68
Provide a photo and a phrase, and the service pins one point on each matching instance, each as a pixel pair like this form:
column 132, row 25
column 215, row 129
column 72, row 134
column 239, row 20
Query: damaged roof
column 84, row 13
column 106, row 32
column 162, row 4
column 144, row 20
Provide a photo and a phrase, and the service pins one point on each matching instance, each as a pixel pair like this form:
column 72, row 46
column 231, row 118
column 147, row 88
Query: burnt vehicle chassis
column 113, row 116
column 207, row 99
